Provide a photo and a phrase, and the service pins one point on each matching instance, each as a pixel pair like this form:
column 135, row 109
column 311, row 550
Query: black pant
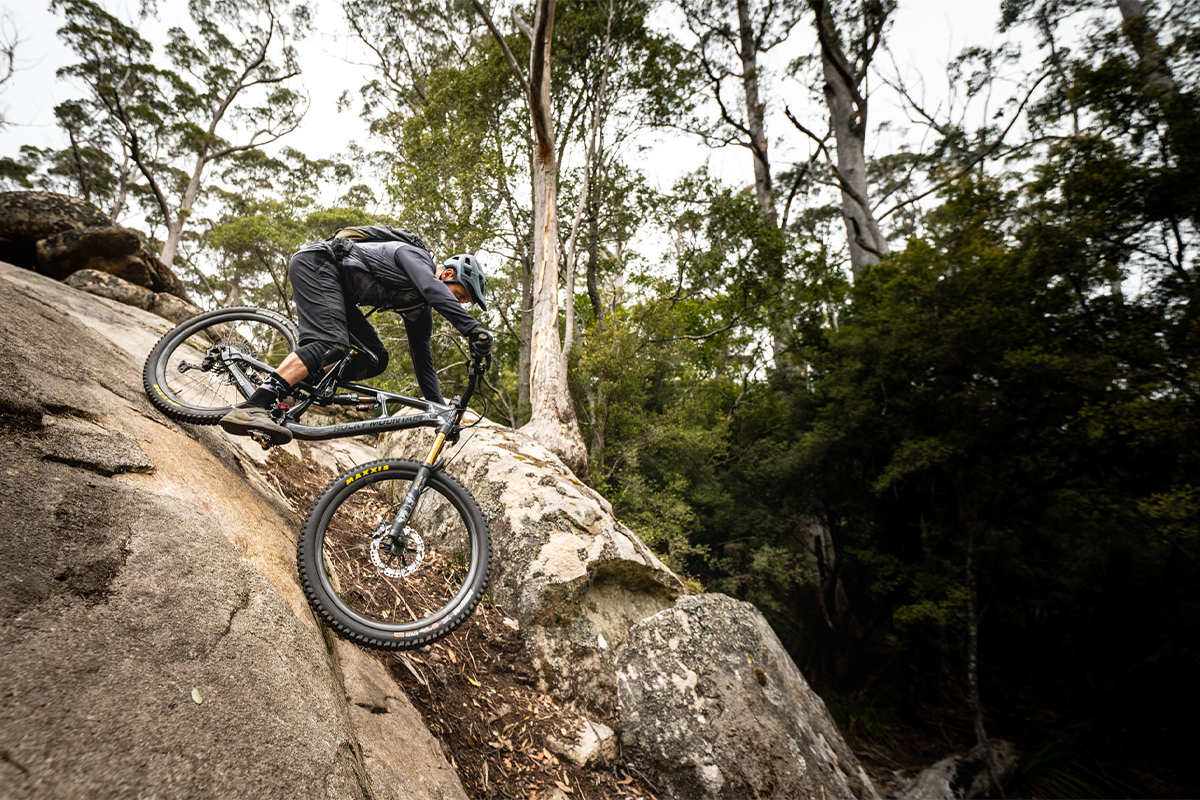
column 330, row 322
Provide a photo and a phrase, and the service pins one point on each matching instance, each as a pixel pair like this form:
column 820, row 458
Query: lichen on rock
column 712, row 705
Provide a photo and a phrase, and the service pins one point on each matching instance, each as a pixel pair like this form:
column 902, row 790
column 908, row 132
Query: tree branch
column 842, row 183
column 512, row 61
column 974, row 161
column 827, row 36
column 539, row 64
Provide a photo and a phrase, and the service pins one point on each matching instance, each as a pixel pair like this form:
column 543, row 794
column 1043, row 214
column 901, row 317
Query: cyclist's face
column 457, row 289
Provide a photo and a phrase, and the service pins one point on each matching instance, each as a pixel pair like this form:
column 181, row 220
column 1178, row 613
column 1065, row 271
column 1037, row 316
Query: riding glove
column 481, row 344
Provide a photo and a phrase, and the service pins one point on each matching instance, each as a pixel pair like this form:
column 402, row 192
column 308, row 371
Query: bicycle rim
column 398, row 596
column 191, row 376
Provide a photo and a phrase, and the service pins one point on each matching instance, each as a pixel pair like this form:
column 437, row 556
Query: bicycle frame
column 445, row 418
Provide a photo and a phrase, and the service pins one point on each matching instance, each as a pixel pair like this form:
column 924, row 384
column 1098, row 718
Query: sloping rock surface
column 153, row 640
column 704, row 698
column 712, row 706
column 56, row 234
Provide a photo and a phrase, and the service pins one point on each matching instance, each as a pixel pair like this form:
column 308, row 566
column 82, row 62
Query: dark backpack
column 347, row 237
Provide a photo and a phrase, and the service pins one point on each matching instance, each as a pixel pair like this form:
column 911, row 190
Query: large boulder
column 704, row 698
column 105, row 284
column 114, row 288
column 107, row 248
column 155, row 640
column 176, row 309
column 712, row 706
column 574, row 577
column 26, row 217
column 56, row 235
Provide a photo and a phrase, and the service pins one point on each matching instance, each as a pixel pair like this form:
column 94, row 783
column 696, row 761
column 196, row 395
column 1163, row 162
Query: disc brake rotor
column 397, row 565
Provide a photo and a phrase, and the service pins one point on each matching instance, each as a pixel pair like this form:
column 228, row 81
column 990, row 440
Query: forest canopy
column 928, row 397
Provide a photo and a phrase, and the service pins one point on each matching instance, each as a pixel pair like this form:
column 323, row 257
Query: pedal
column 262, row 438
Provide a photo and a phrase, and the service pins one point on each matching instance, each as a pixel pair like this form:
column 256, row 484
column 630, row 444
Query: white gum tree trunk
column 552, row 419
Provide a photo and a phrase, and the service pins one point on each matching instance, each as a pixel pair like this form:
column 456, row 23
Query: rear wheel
column 395, row 596
column 185, row 376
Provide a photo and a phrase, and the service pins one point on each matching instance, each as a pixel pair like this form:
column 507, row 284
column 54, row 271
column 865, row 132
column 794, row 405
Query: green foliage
column 1018, row 378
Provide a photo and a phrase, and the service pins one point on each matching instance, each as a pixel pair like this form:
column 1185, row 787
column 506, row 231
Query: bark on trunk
column 526, row 331
column 848, row 113
column 552, row 419
column 755, row 109
column 589, row 160
column 175, row 227
column 867, row 244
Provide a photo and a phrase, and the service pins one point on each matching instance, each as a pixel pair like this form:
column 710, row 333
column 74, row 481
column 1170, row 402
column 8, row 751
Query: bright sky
column 924, row 36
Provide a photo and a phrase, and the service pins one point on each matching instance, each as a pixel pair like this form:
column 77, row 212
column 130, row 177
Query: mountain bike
column 395, row 553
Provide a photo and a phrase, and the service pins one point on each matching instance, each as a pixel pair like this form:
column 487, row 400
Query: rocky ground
column 477, row 690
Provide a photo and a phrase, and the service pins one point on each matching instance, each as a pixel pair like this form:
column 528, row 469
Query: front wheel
column 379, row 593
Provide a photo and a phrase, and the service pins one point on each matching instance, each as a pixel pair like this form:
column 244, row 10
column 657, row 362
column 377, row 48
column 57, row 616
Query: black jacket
column 403, row 277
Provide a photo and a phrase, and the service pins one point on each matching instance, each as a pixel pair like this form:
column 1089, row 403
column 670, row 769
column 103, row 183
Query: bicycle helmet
column 468, row 272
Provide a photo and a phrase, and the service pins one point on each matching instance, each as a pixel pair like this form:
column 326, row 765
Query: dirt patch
column 477, row 693
column 300, row 481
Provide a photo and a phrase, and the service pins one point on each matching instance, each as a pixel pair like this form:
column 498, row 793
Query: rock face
column 591, row 744
column 575, row 579
column 57, row 235
column 105, row 284
column 712, row 706
column 705, row 700
column 154, row 640
column 111, row 286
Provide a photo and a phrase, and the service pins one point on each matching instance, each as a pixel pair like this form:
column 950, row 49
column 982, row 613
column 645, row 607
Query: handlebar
column 475, row 371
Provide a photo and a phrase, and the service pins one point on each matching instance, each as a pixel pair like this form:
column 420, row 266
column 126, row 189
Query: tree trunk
column 966, row 515
column 593, row 263
column 526, row 331
column 552, row 419
column 848, row 113
column 763, row 187
column 593, row 281
column 175, row 227
column 589, row 159
column 1178, row 108
column 1150, row 55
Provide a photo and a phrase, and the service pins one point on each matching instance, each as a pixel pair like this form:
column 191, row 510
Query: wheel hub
column 397, row 560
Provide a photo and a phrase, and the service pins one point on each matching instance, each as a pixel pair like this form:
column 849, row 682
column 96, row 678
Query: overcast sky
column 924, row 36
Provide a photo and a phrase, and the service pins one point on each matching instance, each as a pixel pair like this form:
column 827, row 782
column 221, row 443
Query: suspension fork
column 447, row 427
column 409, row 507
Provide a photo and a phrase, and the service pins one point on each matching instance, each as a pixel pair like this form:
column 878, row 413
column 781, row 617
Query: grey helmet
column 468, row 272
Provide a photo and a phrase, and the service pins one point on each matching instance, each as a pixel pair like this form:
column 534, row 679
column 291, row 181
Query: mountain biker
column 329, row 281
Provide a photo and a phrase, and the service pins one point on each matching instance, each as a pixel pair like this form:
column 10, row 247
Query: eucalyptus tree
column 227, row 86
column 731, row 39
column 552, row 414
column 849, row 35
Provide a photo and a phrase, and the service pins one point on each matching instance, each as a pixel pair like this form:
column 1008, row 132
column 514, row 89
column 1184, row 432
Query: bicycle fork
column 409, row 507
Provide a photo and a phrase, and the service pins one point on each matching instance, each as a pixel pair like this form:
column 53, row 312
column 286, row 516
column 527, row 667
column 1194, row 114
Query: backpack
column 404, row 295
column 346, row 237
